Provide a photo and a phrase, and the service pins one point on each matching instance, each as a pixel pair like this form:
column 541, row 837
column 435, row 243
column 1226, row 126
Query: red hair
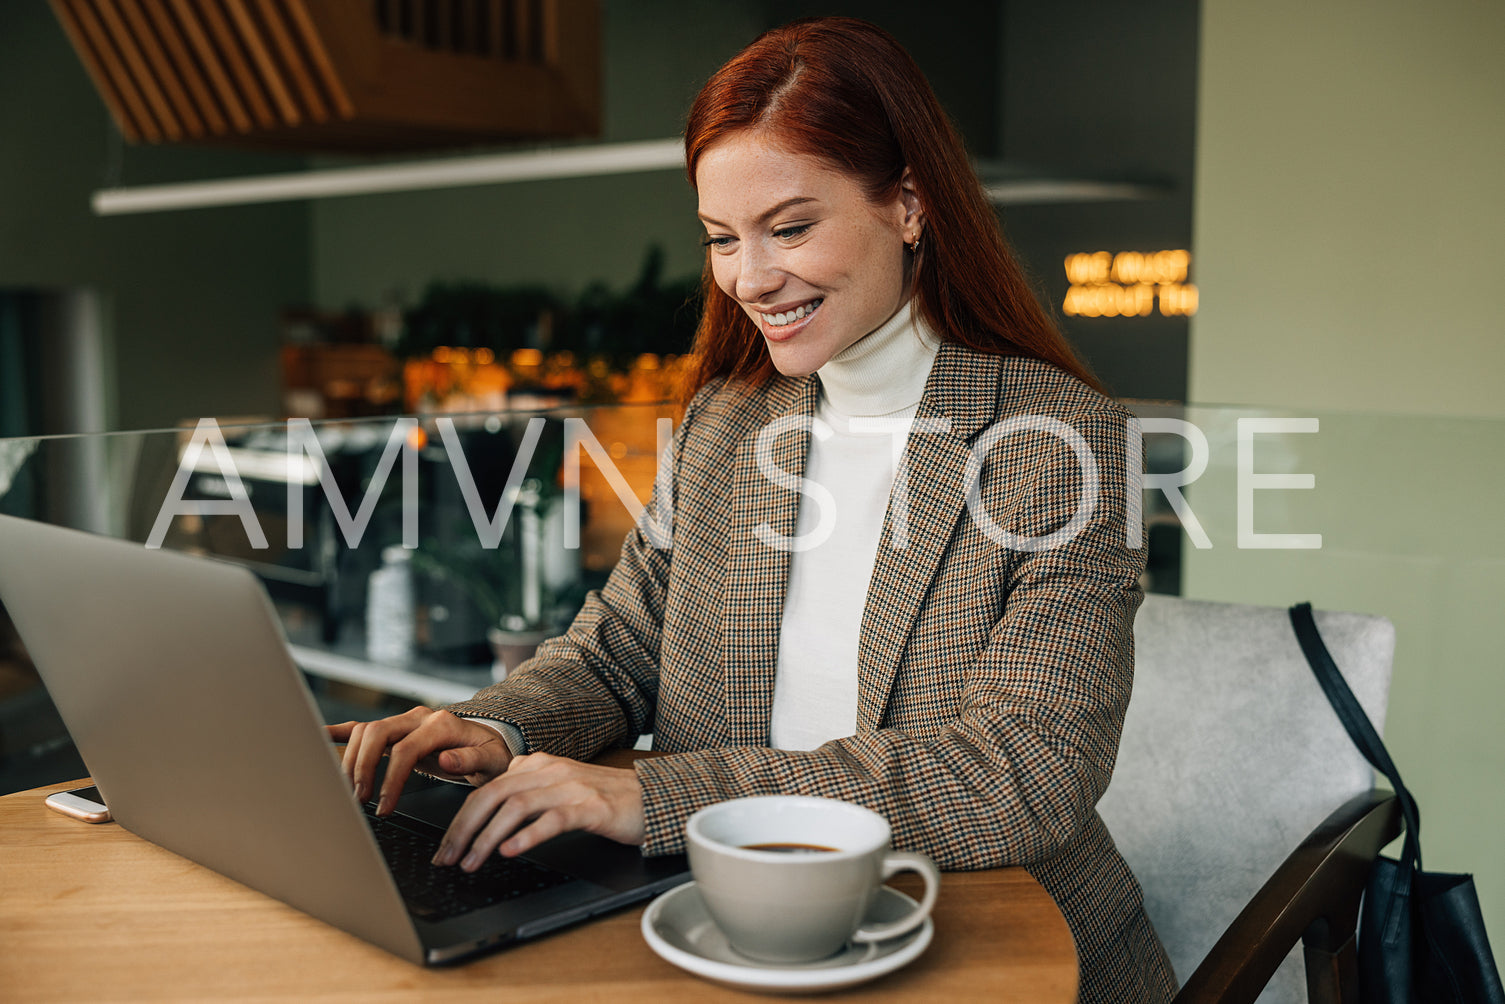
column 845, row 91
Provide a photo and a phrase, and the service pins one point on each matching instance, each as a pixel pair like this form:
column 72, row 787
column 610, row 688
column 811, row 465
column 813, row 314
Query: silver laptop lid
column 173, row 677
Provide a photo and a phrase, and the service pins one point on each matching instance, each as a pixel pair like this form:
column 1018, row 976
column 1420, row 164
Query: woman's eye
column 717, row 242
column 790, row 233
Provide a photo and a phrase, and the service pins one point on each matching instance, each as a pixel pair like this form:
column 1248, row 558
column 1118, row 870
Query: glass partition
column 463, row 539
column 414, row 559
column 1389, row 514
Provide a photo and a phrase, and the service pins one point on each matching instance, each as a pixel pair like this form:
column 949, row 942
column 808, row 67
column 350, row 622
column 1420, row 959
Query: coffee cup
column 789, row 878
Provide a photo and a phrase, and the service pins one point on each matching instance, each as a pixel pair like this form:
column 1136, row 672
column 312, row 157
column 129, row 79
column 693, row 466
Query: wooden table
column 93, row 912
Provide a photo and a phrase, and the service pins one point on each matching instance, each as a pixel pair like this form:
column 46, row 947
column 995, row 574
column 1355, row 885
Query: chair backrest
column 1230, row 756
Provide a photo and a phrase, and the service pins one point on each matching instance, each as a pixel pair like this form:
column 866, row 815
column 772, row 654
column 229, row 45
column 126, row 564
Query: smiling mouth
column 788, row 317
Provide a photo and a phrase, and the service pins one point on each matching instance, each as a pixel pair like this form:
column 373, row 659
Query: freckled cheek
column 726, row 277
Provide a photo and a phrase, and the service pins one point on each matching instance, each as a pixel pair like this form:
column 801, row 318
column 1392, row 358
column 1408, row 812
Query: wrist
column 516, row 743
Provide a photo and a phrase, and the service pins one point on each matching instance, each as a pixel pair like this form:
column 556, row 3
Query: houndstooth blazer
column 993, row 677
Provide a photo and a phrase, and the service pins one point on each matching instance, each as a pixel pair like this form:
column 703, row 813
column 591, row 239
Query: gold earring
column 915, row 247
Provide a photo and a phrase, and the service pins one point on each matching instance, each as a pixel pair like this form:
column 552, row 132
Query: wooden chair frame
column 1313, row 897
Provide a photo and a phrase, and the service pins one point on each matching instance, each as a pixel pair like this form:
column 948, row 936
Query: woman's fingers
column 351, row 738
column 348, row 762
column 367, row 742
column 513, row 813
column 456, row 745
column 476, row 748
column 539, row 797
column 340, row 733
column 477, row 764
column 520, row 801
column 375, row 739
column 482, row 807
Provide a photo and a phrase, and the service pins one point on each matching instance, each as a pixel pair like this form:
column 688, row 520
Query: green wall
column 191, row 298
column 1349, row 206
column 1348, row 239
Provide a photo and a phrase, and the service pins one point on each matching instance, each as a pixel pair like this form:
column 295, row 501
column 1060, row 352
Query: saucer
column 678, row 927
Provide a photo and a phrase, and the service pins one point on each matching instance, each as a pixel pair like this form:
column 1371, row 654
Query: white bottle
column 390, row 622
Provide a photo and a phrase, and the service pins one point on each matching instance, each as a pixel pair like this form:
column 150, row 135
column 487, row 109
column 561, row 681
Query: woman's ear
column 914, row 211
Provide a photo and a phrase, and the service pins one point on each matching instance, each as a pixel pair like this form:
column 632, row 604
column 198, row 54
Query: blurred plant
column 472, row 315
column 476, row 573
column 651, row 315
column 488, row 580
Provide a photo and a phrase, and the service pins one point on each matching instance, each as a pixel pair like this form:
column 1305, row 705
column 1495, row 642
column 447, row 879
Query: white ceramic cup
column 785, row 907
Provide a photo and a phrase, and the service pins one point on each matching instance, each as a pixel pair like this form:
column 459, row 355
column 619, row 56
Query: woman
column 945, row 637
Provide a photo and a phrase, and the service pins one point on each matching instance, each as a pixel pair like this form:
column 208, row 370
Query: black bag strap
column 1357, row 723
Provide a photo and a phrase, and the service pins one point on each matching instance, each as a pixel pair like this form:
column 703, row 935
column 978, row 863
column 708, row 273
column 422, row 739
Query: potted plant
column 523, row 590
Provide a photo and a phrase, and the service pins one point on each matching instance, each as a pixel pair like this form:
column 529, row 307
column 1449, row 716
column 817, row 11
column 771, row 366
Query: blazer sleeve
column 1015, row 774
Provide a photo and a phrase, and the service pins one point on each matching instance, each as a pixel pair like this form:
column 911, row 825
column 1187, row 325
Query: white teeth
column 790, row 316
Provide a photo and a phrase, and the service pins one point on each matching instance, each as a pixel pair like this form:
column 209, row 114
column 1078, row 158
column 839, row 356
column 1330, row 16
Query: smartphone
column 80, row 803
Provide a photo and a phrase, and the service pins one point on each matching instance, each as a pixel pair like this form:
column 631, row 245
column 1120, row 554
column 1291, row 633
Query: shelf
column 424, row 687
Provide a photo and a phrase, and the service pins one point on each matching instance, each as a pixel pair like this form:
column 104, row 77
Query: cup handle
column 905, row 861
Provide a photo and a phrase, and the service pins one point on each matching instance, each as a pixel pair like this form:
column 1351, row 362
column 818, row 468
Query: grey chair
column 1241, row 804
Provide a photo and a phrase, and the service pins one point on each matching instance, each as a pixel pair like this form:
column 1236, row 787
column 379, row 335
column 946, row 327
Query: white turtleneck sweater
column 869, row 395
column 870, row 392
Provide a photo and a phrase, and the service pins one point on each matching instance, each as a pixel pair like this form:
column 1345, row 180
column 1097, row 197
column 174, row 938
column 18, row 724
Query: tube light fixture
column 453, row 172
column 530, row 165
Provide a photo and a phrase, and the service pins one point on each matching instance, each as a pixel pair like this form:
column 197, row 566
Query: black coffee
column 790, row 848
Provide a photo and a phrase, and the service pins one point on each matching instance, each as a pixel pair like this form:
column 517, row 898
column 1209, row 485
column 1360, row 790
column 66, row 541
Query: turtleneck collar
column 884, row 371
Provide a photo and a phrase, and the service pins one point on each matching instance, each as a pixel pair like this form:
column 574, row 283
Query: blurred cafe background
column 1236, row 211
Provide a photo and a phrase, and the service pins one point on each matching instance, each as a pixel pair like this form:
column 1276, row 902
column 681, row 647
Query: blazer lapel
column 757, row 575
column 962, row 392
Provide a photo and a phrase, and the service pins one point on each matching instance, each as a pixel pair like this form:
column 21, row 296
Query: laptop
column 173, row 677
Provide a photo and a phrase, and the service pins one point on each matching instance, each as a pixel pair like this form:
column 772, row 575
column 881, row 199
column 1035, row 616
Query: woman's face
column 798, row 245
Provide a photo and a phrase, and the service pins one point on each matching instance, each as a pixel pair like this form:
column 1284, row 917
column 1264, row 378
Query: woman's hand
column 453, row 745
column 541, row 796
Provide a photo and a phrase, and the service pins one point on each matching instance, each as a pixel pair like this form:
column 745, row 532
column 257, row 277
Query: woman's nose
column 757, row 275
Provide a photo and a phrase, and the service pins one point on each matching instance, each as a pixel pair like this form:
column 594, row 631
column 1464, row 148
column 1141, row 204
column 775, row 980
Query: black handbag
column 1421, row 935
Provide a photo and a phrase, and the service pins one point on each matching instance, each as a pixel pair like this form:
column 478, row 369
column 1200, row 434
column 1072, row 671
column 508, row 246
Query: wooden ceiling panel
column 162, row 66
column 199, row 92
column 264, row 65
column 137, row 67
column 302, row 75
column 307, row 34
column 232, row 51
column 357, row 75
column 107, row 70
column 215, row 70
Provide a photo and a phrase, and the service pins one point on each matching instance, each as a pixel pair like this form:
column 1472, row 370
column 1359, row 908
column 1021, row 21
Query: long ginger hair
column 845, row 91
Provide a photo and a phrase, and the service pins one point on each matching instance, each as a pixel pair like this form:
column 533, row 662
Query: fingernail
column 471, row 863
column 360, row 791
column 442, row 856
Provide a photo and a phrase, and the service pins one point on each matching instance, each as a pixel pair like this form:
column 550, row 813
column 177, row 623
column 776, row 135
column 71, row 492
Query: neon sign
column 1129, row 284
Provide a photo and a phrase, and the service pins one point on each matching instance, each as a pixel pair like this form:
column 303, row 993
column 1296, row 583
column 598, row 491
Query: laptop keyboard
column 435, row 893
